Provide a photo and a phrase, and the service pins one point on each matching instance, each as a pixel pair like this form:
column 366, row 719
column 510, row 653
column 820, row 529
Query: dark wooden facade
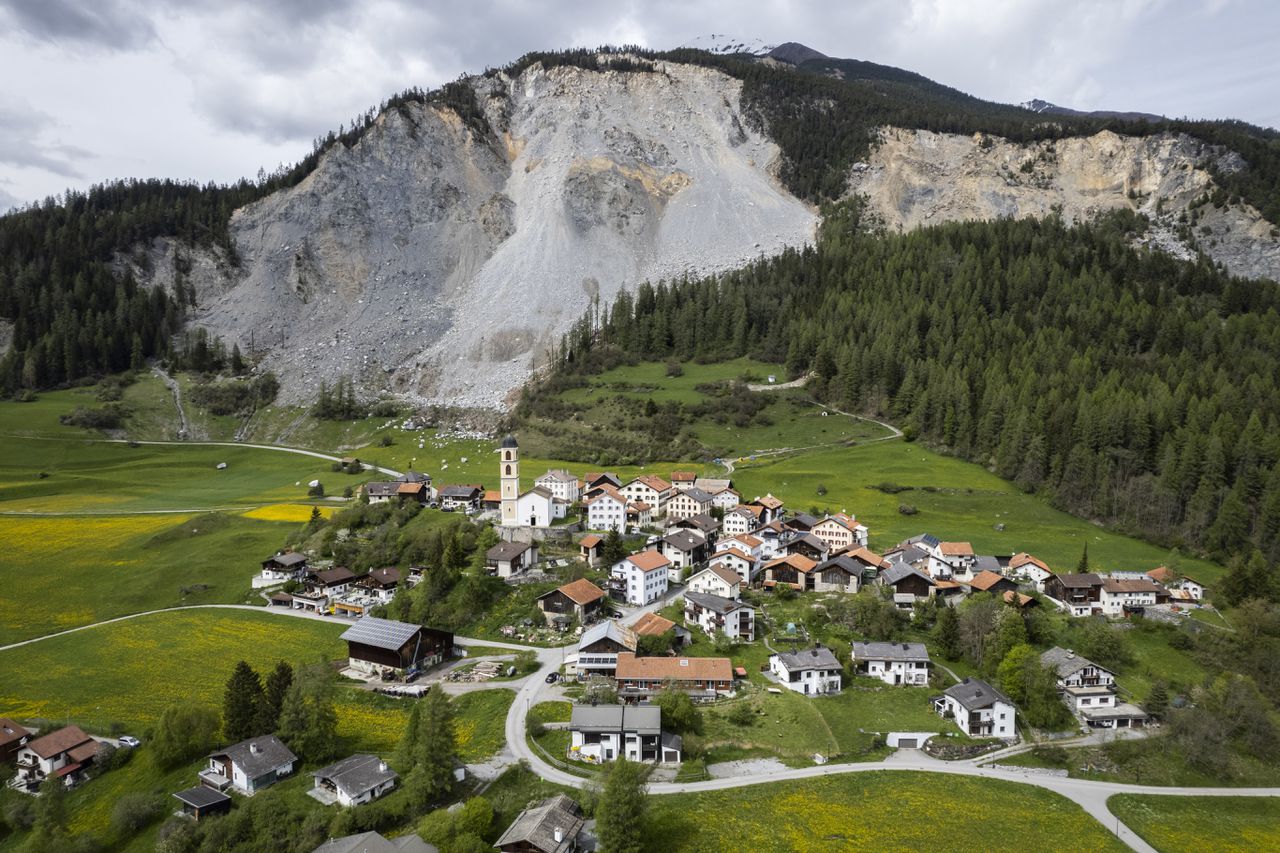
column 429, row 645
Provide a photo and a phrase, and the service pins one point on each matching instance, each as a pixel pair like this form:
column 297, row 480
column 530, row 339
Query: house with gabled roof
column 63, row 754
column 353, row 781
column 249, row 766
column 840, row 531
column 893, row 663
column 702, row 678
column 1078, row 594
column 794, row 570
column 580, row 599
column 284, row 566
column 684, row 548
column 953, row 561
column 909, row 585
column 606, row 509
column 806, row 544
column 373, row 842
column 590, row 549
column 681, row 480
column 813, row 672
column 717, row 579
column 840, row 573
column 385, row 646
column 717, row 615
column 1026, row 566
column 600, row 733
column 1089, row 690
column 770, row 508
column 12, row 738
column 463, row 496
column 979, row 709
column 655, row 625
column 725, row 498
column 992, row 582
column 551, row 826
column 644, row 577
column 381, row 492
column 561, row 484
column 700, row 523
column 649, row 489
column 740, row 520
column 599, row 646
column 737, row 561
column 1124, row 595
column 508, row 559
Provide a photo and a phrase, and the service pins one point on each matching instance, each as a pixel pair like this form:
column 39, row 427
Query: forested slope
column 1132, row 388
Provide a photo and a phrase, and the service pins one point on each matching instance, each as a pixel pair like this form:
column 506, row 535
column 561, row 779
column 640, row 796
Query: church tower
column 509, row 475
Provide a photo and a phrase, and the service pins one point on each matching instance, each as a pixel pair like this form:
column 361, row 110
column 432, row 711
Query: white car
column 130, row 741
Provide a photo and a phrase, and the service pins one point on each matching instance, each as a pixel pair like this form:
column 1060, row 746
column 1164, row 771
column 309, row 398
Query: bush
column 20, row 812
column 386, row 441
column 135, row 811
column 907, row 509
column 110, row 416
column 674, row 369
column 742, row 715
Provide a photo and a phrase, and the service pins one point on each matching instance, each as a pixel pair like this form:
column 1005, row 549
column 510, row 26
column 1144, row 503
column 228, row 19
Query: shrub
column 907, row 509
column 742, row 715
column 674, row 368
column 136, row 810
column 386, row 441
column 110, row 416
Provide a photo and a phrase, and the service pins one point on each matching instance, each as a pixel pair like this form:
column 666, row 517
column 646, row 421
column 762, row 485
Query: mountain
column 1036, row 105
column 726, row 45
column 439, row 250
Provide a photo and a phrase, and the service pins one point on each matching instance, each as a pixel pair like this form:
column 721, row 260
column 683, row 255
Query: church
column 534, row 508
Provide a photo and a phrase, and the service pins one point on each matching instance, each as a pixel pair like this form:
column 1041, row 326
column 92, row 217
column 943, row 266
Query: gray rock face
column 441, row 267
column 917, row 177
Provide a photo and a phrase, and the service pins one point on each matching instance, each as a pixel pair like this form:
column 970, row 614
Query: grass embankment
column 876, row 810
column 1193, row 824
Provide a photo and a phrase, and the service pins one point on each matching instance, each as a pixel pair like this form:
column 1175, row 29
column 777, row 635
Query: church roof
column 509, row 441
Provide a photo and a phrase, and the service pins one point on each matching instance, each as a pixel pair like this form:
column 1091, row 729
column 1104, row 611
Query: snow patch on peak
column 1038, row 105
column 723, row 44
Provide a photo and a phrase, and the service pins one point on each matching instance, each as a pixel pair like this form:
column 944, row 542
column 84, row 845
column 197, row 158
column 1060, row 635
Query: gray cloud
column 23, row 144
column 112, row 24
column 8, row 201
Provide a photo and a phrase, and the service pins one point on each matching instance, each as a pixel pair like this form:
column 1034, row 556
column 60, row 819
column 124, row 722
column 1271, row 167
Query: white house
column 725, row 499
column 718, row 580
column 1023, row 565
column 645, row 575
column 538, row 508
column 1090, row 691
column 507, row 559
column 812, row 671
column 353, row 781
column 599, row 733
column 1118, row 594
column 739, row 562
column 840, row 531
column 64, row 754
column 978, row 709
column 953, row 561
column 893, row 663
column 740, row 520
column 684, row 548
column 607, row 510
column 715, row 614
column 689, row 502
column 649, row 489
column 561, row 484
column 249, row 766
column 284, row 566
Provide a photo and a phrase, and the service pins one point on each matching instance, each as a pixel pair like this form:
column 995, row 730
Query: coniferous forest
column 1130, row 387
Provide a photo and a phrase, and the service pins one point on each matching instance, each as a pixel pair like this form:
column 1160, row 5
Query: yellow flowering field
column 876, row 810
column 298, row 513
column 1186, row 824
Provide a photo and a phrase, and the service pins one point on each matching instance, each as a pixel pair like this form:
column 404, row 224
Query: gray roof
column 607, row 629
column 810, row 540
column 894, row 574
column 504, row 551
column 412, row 476
column 926, row 539
column 890, row 651
column 987, row 564
column 257, row 755
column 975, row 694
column 372, row 842
column 509, row 441
column 356, row 775
column 685, row 540
column 714, row 603
column 380, row 633
column 293, row 558
column 804, row 519
column 1065, row 662
column 536, row 826
column 643, row 719
column 381, row 489
column 712, row 484
column 909, row 554
column 1088, row 579
column 560, row 475
column 459, row 491
column 815, row 658
column 698, row 495
column 201, row 797
column 843, row 562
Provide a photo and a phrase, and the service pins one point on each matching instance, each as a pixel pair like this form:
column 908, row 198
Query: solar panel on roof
column 381, row 633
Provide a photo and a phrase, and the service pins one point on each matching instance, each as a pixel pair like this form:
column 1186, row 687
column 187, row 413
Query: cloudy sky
column 216, row 89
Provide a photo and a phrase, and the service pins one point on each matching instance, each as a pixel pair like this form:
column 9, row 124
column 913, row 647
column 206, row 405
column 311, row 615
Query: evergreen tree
column 1157, row 700
column 240, row 703
column 308, row 721
column 1083, row 566
column 621, row 812
column 435, row 751
column 184, row 731
column 277, row 685
column 946, row 634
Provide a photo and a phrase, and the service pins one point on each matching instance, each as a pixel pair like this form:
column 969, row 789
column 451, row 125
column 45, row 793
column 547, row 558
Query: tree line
column 1125, row 385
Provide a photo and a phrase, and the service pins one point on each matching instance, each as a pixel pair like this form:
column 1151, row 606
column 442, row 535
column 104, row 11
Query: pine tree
column 1083, row 566
column 277, row 685
column 435, row 751
column 621, row 812
column 240, row 703
column 946, row 633
column 1157, row 700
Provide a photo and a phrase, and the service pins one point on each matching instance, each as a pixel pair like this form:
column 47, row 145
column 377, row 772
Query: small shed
column 200, row 802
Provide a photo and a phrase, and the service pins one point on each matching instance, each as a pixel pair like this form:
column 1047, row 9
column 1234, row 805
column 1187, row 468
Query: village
column 677, row 604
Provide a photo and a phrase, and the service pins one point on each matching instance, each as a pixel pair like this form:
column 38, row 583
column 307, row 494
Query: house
column 1079, row 594
column 1193, row 589
column 653, row 625
column 909, row 585
column 414, row 477
column 507, row 559
column 978, row 709
column 718, row 615
column 954, row 560
column 725, row 499
column 992, row 582
column 600, row 645
column 386, row 647
column 380, row 493
column 644, row 576
column 201, row 802
column 372, row 842
column 353, row 781
column 1023, row 565
column 717, row 579
column 684, row 548
column 650, row 490
column 682, row 480
column 806, row 545
column 800, row 522
column 320, row 587
column 740, row 520
column 552, row 826
column 600, row 733
column 639, row 514
column 838, row 574
column 1018, row 600
column 773, row 539
column 64, row 754
column 419, row 493
column 1090, row 691
column 590, row 549
column 461, row 497
column 700, row 523
column 689, row 502
column 908, row 555
column 1121, row 596
column 249, row 766
column 811, row 672
column 561, row 484
column 741, row 563
column 893, row 663
column 770, row 508
column 606, row 510
column 840, row 531
column 793, row 570
column 712, row 485
column 284, row 566
column 595, row 480
column 380, row 584
column 12, row 739
column 491, row 501
column 701, row 678
column 580, row 599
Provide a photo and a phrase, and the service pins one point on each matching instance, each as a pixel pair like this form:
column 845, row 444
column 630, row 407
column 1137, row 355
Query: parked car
column 553, row 677
column 130, row 741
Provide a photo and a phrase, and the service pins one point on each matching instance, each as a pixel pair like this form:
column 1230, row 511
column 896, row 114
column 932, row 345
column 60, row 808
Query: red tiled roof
column 955, row 549
column 591, row 540
column 649, row 561
column 799, row 562
column 683, row 476
column 651, row 624
column 582, row 591
column 632, row 668
column 56, row 743
column 985, row 580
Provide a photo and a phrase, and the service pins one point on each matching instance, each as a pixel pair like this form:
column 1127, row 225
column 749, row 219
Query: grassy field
column 649, row 380
column 874, row 811
column 1187, row 824
column 74, row 570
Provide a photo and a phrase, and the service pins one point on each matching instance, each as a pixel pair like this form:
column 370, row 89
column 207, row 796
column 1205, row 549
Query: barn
column 384, row 646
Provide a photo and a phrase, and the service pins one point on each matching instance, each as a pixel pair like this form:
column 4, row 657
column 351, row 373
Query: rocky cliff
column 917, row 177
column 439, row 263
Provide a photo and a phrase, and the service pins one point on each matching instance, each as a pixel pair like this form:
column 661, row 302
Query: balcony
column 213, row 779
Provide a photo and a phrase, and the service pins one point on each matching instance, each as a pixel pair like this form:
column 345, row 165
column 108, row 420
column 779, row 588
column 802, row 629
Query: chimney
column 253, row 747
column 382, row 767
column 1071, row 653
column 558, row 835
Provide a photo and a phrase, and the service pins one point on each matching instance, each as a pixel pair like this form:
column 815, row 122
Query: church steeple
column 509, row 476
